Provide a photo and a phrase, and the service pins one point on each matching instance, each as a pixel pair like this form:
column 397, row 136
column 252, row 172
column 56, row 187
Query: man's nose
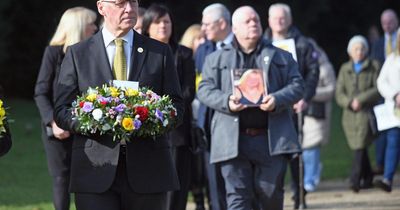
column 128, row 7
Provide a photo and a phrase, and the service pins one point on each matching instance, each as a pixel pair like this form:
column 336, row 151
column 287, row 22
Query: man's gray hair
column 237, row 14
column 282, row 6
column 218, row 11
column 357, row 39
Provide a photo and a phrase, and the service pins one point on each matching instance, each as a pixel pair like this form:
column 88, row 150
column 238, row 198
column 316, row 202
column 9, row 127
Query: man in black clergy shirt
column 107, row 174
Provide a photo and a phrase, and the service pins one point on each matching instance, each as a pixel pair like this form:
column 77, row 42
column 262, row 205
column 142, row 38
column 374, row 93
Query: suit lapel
column 265, row 60
column 139, row 53
column 101, row 58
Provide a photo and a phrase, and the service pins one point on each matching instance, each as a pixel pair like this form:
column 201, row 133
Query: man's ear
column 100, row 8
column 222, row 23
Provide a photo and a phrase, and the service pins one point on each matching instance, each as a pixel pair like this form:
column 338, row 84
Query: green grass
column 26, row 185
column 24, row 180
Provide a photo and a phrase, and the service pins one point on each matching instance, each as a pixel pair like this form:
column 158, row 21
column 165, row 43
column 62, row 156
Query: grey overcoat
column 283, row 81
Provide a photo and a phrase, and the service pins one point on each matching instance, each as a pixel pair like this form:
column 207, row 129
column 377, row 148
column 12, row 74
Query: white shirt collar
column 109, row 38
column 228, row 40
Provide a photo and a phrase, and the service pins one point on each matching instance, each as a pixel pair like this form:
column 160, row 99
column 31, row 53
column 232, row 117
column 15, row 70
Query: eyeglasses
column 121, row 3
column 206, row 25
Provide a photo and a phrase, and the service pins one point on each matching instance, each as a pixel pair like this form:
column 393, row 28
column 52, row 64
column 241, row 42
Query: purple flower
column 120, row 108
column 137, row 123
column 154, row 96
column 87, row 107
column 159, row 115
column 102, row 99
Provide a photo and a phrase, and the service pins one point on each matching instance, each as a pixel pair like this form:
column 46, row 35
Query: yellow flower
column 91, row 97
column 127, row 123
column 2, row 112
column 131, row 92
column 1, row 103
column 114, row 92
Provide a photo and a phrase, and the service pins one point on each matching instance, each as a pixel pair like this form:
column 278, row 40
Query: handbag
column 316, row 109
column 372, row 122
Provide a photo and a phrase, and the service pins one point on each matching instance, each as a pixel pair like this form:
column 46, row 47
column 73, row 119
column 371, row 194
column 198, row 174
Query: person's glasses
column 121, row 3
column 206, row 25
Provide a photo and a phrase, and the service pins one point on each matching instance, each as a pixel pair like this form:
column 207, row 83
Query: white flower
column 92, row 91
column 165, row 123
column 106, row 127
column 97, row 114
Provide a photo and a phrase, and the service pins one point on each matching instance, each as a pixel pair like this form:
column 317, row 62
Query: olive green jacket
column 361, row 86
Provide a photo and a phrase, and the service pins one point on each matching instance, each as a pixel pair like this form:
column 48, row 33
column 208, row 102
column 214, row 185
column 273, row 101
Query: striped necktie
column 119, row 65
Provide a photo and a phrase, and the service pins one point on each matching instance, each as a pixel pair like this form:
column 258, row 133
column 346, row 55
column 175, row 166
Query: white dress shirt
column 109, row 38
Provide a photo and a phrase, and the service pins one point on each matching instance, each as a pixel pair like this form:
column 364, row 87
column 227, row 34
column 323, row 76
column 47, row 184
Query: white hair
column 238, row 12
column 218, row 11
column 282, row 6
column 355, row 40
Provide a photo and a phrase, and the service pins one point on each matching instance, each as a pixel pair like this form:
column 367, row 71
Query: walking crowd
column 231, row 151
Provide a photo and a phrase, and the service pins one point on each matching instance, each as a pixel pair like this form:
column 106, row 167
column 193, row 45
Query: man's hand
column 397, row 99
column 58, row 132
column 234, row 104
column 355, row 105
column 268, row 103
column 300, row 106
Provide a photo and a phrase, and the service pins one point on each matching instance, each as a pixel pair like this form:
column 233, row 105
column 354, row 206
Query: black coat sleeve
column 45, row 83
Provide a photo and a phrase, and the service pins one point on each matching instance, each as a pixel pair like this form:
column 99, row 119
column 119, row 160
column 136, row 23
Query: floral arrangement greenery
column 123, row 112
column 3, row 118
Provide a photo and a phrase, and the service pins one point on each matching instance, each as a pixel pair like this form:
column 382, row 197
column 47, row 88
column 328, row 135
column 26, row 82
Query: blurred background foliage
column 26, row 27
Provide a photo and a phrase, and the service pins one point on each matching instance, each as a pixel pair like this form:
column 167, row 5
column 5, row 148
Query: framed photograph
column 249, row 85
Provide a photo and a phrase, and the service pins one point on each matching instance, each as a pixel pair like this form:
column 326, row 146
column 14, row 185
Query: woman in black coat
column 158, row 24
column 75, row 25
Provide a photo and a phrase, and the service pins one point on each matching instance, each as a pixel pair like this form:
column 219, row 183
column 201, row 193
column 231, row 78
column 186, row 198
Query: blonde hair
column 72, row 26
column 245, row 76
column 191, row 33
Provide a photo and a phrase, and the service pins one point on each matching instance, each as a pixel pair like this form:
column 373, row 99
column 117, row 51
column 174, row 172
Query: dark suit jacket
column 5, row 140
column 46, row 82
column 378, row 50
column 95, row 158
column 5, row 143
column 58, row 152
column 186, row 73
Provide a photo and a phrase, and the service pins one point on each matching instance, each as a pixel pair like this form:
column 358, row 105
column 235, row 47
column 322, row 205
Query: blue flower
column 120, row 108
column 137, row 123
column 159, row 114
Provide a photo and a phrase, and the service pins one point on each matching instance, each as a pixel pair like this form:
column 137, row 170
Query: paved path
column 335, row 195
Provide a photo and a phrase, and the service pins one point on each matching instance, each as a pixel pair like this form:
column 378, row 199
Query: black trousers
column 361, row 172
column 176, row 200
column 120, row 195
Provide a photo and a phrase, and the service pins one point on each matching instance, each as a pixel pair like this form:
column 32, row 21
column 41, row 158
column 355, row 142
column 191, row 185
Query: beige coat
column 316, row 131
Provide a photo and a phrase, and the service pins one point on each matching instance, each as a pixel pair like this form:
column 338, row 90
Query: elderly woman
column 356, row 93
column 389, row 87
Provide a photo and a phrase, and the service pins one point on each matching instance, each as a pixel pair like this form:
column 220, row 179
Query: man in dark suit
column 107, row 174
column 379, row 51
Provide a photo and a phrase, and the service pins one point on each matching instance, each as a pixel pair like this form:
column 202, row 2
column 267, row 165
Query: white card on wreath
column 126, row 84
